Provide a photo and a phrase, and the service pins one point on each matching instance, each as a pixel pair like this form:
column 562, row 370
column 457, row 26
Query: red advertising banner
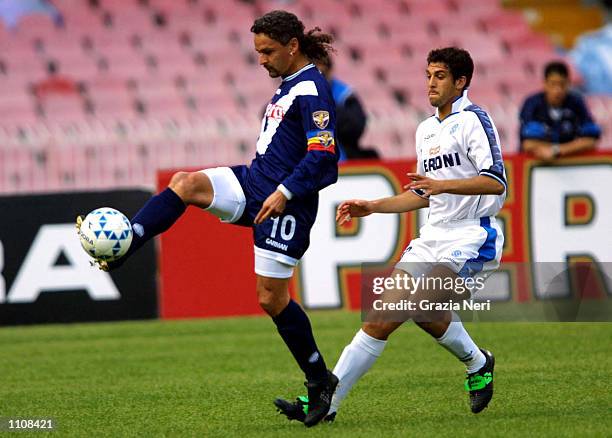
column 552, row 213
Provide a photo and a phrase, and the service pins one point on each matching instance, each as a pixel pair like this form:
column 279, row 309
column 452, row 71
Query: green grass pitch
column 219, row 377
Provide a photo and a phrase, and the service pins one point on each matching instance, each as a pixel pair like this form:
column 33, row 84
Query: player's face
column 273, row 56
column 555, row 89
column 441, row 87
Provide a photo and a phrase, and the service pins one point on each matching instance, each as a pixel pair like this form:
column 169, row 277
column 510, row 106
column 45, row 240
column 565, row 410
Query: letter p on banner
column 372, row 239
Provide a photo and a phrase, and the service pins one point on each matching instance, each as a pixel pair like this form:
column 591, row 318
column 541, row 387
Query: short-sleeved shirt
column 540, row 121
column 463, row 145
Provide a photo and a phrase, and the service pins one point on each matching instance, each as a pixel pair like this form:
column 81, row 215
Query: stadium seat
column 164, row 69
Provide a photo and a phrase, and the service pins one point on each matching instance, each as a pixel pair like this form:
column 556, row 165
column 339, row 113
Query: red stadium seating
column 173, row 83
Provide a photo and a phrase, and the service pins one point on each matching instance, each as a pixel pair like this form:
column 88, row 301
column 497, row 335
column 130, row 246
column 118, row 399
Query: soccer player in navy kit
column 277, row 195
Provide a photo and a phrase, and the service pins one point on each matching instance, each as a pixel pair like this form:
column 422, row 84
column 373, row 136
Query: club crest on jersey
column 321, row 119
column 275, row 112
column 434, row 150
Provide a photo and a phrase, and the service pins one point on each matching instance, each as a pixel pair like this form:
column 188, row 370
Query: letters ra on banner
column 45, row 275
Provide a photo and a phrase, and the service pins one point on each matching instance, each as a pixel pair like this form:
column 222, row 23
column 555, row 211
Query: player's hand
column 353, row 208
column 272, row 207
column 429, row 185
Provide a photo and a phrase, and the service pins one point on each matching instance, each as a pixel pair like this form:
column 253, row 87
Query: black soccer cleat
column 480, row 384
column 298, row 409
column 319, row 398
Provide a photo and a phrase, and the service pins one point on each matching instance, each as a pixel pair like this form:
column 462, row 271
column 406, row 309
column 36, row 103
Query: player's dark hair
column 558, row 67
column 327, row 62
column 281, row 26
column 458, row 61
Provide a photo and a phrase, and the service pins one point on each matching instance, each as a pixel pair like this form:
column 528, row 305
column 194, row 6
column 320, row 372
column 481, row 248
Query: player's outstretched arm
column 477, row 185
column 401, row 203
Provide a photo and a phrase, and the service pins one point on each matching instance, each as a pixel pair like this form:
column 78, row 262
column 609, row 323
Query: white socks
column 359, row 356
column 356, row 359
column 458, row 342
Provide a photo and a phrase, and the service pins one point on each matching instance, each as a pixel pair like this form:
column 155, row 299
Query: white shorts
column 228, row 198
column 228, row 205
column 467, row 247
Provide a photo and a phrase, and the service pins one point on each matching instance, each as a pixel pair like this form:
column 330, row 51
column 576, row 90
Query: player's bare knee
column 178, row 184
column 270, row 300
column 379, row 330
column 192, row 187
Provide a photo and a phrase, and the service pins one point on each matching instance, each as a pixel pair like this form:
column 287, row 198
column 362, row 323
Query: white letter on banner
column 38, row 272
column 552, row 239
column 375, row 241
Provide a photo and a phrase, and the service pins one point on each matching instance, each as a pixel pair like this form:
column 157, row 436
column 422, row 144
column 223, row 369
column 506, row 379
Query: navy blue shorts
column 285, row 238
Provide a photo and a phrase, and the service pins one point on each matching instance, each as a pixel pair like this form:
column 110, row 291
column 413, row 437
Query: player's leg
column 370, row 341
column 161, row 211
column 294, row 328
column 479, row 363
column 367, row 345
column 444, row 325
column 216, row 190
column 479, row 253
column 356, row 359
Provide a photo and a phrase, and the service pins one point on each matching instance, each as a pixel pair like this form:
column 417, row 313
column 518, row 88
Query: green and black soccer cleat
column 298, row 409
column 480, row 384
column 319, row 398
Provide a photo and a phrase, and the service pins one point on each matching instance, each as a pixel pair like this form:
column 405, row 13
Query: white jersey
column 463, row 145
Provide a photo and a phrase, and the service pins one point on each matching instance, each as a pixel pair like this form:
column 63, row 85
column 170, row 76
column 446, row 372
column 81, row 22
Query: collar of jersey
column 459, row 104
column 297, row 73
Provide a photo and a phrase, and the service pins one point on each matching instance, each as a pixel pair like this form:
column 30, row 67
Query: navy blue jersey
column 296, row 145
column 572, row 120
column 296, row 148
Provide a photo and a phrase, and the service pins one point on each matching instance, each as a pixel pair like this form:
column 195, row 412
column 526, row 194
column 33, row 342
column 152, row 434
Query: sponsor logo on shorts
column 276, row 244
column 456, row 263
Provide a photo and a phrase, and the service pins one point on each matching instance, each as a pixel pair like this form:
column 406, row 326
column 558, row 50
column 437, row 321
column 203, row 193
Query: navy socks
column 155, row 217
column 294, row 327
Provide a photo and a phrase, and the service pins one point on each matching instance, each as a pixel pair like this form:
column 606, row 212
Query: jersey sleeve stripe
column 320, row 147
column 420, row 192
column 493, row 175
column 485, row 121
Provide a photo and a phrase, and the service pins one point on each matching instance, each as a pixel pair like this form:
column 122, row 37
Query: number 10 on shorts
column 287, row 227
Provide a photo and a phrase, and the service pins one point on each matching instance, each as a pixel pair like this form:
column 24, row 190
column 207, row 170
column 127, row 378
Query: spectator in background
column 11, row 11
column 556, row 122
column 350, row 116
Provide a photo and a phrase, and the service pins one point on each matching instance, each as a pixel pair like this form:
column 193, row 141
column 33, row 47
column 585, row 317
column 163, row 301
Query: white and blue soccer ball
column 106, row 234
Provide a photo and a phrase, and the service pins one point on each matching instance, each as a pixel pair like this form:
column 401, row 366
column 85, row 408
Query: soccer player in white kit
column 460, row 177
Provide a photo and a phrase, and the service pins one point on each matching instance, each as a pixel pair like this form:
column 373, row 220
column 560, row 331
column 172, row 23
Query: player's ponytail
column 316, row 45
